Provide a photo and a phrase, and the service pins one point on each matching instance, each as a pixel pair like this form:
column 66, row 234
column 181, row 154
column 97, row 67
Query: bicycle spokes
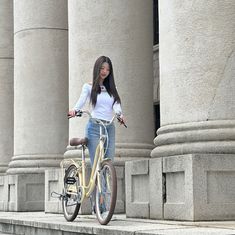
column 106, row 192
column 72, row 193
column 105, row 189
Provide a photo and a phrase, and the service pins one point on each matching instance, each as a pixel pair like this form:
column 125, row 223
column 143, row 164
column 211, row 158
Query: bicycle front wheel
column 106, row 192
column 71, row 194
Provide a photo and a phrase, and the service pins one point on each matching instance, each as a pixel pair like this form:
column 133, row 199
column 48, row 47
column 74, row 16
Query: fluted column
column 6, row 83
column 197, row 70
column 41, row 85
column 196, row 78
column 121, row 30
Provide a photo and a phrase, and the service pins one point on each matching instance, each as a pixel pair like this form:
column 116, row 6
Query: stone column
column 6, row 83
column 121, row 30
column 126, row 37
column 41, row 95
column 196, row 138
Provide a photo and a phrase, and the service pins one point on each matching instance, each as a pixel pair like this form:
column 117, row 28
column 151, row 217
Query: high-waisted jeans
column 93, row 135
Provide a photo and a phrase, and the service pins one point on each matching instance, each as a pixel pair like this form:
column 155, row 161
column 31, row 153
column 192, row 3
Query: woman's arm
column 83, row 97
column 82, row 100
column 117, row 108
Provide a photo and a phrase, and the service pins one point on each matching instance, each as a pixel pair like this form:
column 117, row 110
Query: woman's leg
column 110, row 153
column 93, row 135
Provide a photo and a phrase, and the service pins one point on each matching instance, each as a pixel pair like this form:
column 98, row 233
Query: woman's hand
column 72, row 113
column 122, row 120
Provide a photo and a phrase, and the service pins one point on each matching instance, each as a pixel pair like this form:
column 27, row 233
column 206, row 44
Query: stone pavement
column 40, row 223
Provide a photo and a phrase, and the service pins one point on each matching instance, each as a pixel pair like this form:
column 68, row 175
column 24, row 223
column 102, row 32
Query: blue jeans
column 93, row 135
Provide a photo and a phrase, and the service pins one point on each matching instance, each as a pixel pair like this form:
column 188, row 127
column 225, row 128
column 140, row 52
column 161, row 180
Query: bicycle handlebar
column 120, row 120
column 81, row 112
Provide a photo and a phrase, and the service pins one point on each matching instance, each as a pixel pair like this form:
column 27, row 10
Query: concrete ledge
column 39, row 223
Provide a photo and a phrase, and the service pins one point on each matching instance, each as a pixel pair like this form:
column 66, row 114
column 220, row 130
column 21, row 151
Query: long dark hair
column 108, row 81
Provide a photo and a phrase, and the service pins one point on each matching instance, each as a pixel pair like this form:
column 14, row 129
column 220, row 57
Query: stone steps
column 40, row 223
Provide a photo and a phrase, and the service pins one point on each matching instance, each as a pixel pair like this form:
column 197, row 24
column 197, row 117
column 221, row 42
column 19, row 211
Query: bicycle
column 102, row 179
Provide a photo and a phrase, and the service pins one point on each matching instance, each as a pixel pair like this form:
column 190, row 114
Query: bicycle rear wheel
column 106, row 192
column 71, row 194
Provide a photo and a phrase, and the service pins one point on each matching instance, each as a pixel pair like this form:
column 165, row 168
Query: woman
column 104, row 98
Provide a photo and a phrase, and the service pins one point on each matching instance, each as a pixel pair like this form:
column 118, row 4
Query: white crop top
column 104, row 107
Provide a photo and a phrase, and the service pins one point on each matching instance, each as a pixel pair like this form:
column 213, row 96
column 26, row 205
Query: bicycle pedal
column 56, row 195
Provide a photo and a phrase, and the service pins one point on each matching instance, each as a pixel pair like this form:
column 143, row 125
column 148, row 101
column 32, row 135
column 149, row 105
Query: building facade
column 47, row 52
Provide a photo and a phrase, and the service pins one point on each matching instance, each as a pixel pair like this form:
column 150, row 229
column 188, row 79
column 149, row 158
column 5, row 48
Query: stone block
column 200, row 187
column 11, row 184
column 144, row 188
column 53, row 184
column 120, row 204
column 22, row 192
column 3, row 193
column 156, row 188
column 178, row 187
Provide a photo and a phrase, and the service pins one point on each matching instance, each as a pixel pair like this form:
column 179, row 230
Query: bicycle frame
column 99, row 157
column 87, row 189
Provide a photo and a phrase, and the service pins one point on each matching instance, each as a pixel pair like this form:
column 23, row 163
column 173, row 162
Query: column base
column 3, row 169
column 199, row 187
column 23, row 192
column 31, row 164
column 190, row 187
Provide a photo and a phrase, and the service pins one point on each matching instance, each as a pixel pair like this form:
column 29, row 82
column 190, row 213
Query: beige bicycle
column 103, row 179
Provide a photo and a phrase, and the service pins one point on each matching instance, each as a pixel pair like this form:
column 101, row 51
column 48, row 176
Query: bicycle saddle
column 78, row 141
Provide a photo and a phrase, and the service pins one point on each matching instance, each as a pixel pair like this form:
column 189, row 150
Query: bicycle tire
column 70, row 204
column 105, row 207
